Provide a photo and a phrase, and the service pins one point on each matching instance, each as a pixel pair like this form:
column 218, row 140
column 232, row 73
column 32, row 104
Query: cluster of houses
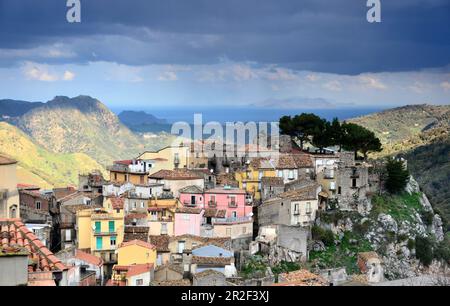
column 173, row 217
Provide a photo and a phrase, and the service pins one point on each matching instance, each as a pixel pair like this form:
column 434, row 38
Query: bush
column 326, row 236
column 427, row 217
column 424, row 250
column 442, row 251
column 411, row 244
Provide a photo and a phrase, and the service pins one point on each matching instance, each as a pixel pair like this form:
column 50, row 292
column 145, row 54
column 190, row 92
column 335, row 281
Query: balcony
column 188, row 203
column 232, row 220
column 114, row 233
column 296, row 212
column 232, row 204
column 212, row 204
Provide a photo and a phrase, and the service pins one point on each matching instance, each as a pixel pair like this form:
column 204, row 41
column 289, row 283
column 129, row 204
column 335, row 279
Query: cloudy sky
column 268, row 53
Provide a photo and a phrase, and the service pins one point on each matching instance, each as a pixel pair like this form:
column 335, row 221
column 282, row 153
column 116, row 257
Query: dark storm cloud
column 317, row 35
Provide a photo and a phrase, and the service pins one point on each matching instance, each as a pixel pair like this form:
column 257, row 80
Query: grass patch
column 401, row 207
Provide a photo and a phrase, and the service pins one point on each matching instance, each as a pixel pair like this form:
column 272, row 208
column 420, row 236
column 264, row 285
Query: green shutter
column 111, row 227
column 98, row 227
column 99, row 241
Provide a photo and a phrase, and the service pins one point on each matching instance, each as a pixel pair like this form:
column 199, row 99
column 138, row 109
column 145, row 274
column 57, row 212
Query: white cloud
column 333, row 86
column 168, row 76
column 371, row 82
column 38, row 72
column 312, row 77
column 68, row 75
column 445, row 85
column 243, row 73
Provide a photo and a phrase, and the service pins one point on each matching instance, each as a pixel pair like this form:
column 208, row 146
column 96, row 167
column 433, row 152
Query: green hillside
column 39, row 166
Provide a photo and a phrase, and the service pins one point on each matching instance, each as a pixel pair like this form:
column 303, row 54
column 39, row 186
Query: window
column 163, row 228
column 354, row 182
column 112, row 241
column 68, row 235
column 111, row 226
column 260, row 175
column 181, row 245
column 141, row 180
column 88, row 202
column 308, row 207
column 280, row 173
column 233, row 214
column 99, row 243
column 142, row 205
column 115, row 176
column 98, row 226
column 228, row 231
column 291, row 174
column 139, row 282
column 126, row 177
column 38, row 205
column 296, row 209
column 134, row 205
column 186, row 217
column 339, row 190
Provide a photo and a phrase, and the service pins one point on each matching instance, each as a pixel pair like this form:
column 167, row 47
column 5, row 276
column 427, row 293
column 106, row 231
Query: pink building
column 188, row 221
column 232, row 200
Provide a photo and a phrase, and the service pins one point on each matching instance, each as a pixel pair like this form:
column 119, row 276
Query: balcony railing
column 212, row 204
column 114, row 233
column 232, row 204
column 232, row 220
column 189, row 203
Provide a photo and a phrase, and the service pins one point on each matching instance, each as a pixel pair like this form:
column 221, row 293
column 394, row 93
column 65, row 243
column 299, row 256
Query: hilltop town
column 173, row 217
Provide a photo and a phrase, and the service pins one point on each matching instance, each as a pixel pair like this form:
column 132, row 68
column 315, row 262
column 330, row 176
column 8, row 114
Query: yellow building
column 136, row 252
column 168, row 158
column 133, row 171
column 9, row 195
column 250, row 178
column 161, row 216
column 100, row 231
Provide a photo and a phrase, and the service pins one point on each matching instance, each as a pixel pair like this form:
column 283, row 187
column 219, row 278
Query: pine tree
column 397, row 176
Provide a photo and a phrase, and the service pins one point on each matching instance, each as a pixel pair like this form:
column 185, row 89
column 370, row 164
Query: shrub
column 424, row 250
column 326, row 236
column 397, row 176
column 411, row 244
column 427, row 217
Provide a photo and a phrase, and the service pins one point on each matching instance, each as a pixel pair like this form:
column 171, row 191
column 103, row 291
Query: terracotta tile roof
column 303, row 160
column 211, row 261
column 27, row 186
column 173, row 267
column 178, row 174
column 262, row 163
column 13, row 233
column 188, row 210
column 137, row 242
column 134, row 270
column 40, row 279
column 77, row 207
column 135, row 233
column 124, row 162
column 272, row 181
column 89, row 258
column 226, row 179
column 215, row 213
column 4, row 160
column 223, row 242
column 301, row 278
column 302, row 194
column 117, row 202
column 175, row 283
column 191, row 189
column 207, row 273
column 160, row 242
column 63, row 192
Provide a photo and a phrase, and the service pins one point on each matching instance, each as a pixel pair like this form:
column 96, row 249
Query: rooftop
column 137, row 242
column 178, row 174
column 161, row 242
column 4, row 160
column 15, row 235
column 301, row 278
column 89, row 258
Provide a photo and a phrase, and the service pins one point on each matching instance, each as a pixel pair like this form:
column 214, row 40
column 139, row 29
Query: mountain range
column 81, row 131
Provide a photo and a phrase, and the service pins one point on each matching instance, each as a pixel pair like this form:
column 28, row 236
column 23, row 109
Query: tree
column 397, row 176
column 321, row 136
column 301, row 126
column 424, row 250
column 336, row 133
column 357, row 138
